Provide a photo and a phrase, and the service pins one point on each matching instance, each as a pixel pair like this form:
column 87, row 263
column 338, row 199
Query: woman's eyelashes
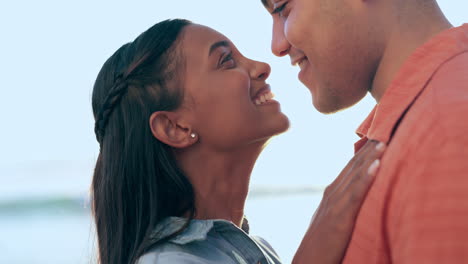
column 227, row 61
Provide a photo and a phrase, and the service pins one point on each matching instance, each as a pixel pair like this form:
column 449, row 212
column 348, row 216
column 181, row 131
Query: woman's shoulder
column 193, row 245
column 263, row 243
column 192, row 253
column 267, row 248
column 207, row 242
column 170, row 253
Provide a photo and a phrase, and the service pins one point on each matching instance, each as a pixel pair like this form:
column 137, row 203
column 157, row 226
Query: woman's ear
column 169, row 129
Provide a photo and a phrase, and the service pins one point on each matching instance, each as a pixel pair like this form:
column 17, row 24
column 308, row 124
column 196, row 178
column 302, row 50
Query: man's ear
column 169, row 129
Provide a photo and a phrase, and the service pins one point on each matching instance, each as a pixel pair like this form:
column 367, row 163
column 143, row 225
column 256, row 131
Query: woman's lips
column 264, row 98
column 264, row 95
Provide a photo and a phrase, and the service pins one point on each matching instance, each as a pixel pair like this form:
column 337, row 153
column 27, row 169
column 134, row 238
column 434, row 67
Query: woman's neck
column 220, row 180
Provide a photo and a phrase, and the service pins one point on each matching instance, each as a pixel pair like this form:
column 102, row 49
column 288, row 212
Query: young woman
column 181, row 117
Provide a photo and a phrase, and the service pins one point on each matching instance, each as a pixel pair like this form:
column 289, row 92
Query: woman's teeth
column 264, row 98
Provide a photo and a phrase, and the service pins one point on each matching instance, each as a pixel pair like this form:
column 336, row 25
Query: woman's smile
column 264, row 96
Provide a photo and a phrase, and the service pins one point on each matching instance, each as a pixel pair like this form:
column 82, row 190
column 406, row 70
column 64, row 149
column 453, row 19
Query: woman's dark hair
column 137, row 181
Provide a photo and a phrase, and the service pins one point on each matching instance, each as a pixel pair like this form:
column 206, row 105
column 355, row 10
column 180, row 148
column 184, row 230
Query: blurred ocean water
column 57, row 227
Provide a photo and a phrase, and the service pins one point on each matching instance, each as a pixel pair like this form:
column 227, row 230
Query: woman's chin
column 279, row 127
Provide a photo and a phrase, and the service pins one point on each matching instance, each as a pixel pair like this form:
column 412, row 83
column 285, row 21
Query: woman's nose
column 260, row 70
column 279, row 44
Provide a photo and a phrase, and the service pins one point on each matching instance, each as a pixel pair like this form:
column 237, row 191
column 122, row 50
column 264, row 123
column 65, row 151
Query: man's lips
column 298, row 61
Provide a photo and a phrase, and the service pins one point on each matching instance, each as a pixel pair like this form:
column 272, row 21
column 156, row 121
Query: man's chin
column 333, row 105
column 327, row 106
column 327, row 110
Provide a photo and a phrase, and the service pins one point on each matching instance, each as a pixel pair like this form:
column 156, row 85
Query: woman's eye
column 228, row 60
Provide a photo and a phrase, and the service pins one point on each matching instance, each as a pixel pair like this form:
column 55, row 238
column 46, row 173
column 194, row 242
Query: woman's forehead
column 199, row 38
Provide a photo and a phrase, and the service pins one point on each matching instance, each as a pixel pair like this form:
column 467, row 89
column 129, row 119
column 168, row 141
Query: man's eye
column 279, row 10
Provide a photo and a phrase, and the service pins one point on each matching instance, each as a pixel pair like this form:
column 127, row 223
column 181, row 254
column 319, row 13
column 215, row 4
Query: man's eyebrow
column 222, row 43
column 266, row 4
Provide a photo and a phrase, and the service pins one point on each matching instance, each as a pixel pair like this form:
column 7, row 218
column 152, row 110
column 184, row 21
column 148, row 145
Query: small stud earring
column 193, row 135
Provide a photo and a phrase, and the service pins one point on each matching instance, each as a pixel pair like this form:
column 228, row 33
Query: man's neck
column 406, row 35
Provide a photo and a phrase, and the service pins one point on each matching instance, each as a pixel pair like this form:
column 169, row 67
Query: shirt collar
column 410, row 81
column 197, row 230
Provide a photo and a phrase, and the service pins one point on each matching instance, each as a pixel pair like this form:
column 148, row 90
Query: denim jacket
column 208, row 242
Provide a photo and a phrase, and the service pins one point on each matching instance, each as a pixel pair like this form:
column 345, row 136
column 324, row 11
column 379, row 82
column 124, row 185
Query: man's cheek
column 294, row 32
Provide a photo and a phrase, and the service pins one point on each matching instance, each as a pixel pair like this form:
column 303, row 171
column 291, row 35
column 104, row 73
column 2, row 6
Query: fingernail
column 373, row 167
column 380, row 146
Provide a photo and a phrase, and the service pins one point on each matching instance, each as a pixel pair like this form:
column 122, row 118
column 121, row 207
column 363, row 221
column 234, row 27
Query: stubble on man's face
column 333, row 39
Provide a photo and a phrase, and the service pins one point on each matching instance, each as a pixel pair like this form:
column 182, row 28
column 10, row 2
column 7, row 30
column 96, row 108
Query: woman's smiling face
column 227, row 96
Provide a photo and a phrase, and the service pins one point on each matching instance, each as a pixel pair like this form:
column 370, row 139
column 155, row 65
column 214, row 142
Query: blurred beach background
column 51, row 52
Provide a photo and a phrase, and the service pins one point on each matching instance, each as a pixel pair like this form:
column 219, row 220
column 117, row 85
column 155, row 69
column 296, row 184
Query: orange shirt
column 417, row 209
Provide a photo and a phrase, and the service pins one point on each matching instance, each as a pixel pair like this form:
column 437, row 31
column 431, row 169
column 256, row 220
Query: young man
column 415, row 64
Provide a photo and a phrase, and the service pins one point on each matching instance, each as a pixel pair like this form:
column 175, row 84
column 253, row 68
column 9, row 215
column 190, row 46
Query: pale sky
column 51, row 52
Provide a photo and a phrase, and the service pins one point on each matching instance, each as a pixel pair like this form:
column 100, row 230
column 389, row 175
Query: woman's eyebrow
column 222, row 43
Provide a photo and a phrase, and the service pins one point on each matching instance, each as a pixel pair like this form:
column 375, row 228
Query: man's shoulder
column 444, row 101
column 438, row 117
column 449, row 84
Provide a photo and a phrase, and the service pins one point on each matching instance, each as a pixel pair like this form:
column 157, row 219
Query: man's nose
column 279, row 44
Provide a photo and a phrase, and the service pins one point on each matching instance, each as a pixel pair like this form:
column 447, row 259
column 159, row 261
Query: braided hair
column 137, row 181
column 112, row 99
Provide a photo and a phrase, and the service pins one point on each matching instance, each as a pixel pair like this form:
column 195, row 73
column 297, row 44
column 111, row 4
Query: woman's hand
column 328, row 235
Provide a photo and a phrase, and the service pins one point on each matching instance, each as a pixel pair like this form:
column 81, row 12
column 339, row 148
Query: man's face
column 330, row 41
